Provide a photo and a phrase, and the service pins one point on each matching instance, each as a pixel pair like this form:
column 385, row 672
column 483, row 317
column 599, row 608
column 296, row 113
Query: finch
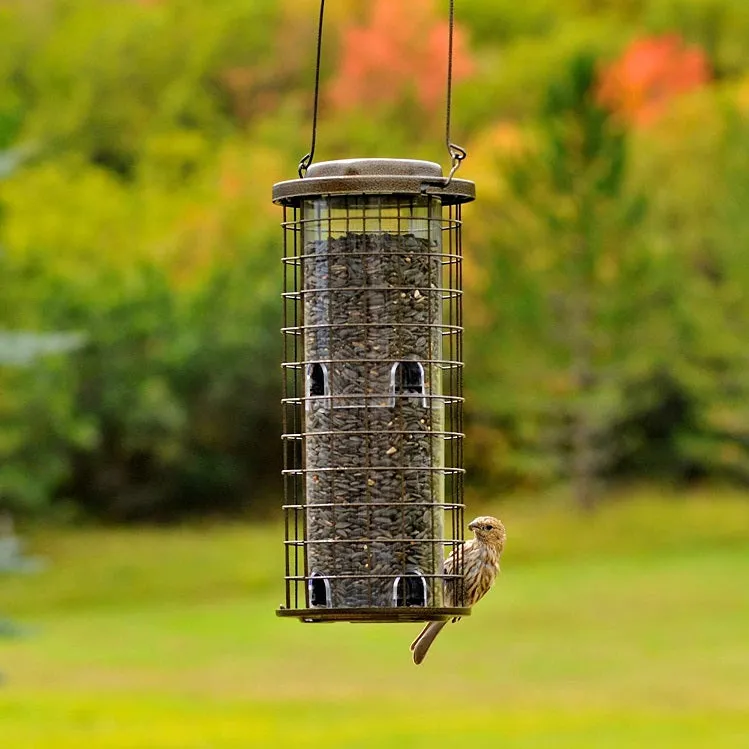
column 480, row 557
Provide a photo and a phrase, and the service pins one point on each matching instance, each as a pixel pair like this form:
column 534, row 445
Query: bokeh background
column 607, row 378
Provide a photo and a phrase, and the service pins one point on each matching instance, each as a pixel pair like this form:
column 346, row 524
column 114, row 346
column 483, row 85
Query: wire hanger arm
column 457, row 153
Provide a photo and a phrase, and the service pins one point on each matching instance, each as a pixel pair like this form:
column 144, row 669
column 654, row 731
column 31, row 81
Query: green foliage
column 718, row 26
column 180, row 398
column 712, row 308
column 105, row 90
column 37, row 425
column 135, row 225
column 30, row 464
column 571, row 369
column 167, row 405
column 142, row 220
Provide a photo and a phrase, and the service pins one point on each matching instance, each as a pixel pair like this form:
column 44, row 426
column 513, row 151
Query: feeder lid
column 374, row 177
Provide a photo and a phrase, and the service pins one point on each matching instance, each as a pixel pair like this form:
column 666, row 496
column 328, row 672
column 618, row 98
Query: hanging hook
column 457, row 155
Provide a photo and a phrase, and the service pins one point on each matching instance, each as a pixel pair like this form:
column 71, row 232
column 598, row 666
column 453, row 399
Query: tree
column 22, row 349
column 575, row 308
column 714, row 309
column 403, row 46
column 639, row 86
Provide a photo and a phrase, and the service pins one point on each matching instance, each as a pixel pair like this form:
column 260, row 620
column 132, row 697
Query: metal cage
column 372, row 407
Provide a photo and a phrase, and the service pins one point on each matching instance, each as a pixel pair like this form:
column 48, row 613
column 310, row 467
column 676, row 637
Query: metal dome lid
column 374, row 177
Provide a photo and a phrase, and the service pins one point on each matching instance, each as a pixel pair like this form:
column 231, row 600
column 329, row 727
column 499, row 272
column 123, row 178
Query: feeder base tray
column 374, row 615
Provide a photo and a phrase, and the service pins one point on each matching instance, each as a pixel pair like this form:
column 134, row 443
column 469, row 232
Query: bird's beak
column 472, row 526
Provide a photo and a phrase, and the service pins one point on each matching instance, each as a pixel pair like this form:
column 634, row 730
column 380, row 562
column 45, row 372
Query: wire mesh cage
column 373, row 443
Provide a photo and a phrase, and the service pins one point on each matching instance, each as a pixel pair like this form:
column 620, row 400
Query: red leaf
column 652, row 71
column 400, row 51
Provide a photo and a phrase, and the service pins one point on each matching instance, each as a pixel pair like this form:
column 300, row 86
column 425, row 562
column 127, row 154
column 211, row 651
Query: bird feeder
column 373, row 457
column 372, row 406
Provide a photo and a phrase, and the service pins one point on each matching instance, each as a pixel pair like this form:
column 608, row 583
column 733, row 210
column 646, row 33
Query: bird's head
column 489, row 530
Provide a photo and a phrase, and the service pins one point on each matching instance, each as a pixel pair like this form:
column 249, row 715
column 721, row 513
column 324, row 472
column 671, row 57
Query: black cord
column 307, row 160
column 457, row 154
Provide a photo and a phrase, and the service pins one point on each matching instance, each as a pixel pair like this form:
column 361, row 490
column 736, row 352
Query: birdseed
column 374, row 455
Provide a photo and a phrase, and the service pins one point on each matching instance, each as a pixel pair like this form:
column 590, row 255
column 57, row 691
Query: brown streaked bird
column 480, row 567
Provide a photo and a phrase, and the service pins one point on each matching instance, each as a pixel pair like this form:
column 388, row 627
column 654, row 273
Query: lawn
column 626, row 629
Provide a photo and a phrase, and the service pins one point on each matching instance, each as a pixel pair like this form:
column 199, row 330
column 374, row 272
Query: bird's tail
column 421, row 644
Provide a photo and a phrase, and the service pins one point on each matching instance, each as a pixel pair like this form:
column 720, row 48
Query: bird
column 479, row 558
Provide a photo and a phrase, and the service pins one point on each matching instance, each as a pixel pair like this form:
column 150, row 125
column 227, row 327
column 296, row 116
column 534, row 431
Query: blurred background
column 607, row 373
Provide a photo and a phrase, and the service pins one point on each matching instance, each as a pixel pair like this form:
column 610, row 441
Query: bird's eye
column 487, row 527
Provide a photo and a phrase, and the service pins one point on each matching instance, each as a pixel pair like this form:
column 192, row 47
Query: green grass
column 626, row 629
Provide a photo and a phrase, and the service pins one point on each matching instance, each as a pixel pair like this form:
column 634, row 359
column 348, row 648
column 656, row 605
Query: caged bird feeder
column 372, row 407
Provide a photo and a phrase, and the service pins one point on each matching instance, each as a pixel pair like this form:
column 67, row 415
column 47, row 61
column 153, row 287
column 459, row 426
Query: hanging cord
column 307, row 160
column 457, row 154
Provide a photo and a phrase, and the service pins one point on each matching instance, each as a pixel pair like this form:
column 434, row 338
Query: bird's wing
column 453, row 566
column 455, row 561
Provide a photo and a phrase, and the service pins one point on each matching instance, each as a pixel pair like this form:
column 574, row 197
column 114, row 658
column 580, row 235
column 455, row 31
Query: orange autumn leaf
column 652, row 71
column 400, row 50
